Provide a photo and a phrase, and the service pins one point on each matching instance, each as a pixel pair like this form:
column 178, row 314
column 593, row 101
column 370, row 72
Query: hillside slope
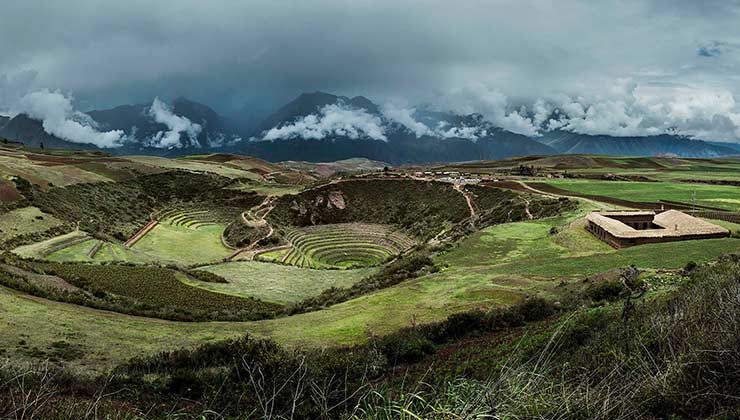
column 573, row 143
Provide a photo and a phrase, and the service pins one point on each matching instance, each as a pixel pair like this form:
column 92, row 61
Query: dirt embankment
column 141, row 233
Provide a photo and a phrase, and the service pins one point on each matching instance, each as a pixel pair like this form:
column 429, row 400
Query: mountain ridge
column 448, row 137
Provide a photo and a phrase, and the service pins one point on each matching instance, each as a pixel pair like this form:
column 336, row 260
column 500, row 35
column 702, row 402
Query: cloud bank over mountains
column 177, row 126
column 332, row 120
column 609, row 67
column 59, row 118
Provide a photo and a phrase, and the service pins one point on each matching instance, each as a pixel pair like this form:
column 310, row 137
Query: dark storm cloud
column 475, row 55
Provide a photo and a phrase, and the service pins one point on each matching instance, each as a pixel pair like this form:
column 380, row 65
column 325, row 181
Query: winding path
column 459, row 188
column 259, row 221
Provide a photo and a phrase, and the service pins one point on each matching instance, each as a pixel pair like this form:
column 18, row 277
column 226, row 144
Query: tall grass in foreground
column 673, row 356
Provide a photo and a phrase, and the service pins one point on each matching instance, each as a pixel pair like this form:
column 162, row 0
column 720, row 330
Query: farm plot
column 721, row 196
column 45, row 248
column 344, row 245
column 191, row 237
column 278, row 283
column 157, row 288
column 107, row 252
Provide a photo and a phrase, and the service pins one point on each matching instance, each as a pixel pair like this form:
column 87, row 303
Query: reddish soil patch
column 8, row 193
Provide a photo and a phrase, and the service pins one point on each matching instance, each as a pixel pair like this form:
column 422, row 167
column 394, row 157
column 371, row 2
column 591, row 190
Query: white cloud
column 54, row 109
column 176, row 125
column 405, row 117
column 638, row 110
column 492, row 104
column 464, row 132
column 59, row 118
column 332, row 120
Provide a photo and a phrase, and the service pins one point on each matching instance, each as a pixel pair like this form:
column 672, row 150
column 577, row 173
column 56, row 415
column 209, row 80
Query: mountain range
column 320, row 126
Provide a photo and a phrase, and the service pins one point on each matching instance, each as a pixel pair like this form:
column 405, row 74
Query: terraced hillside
column 185, row 237
column 417, row 207
column 119, row 209
column 344, row 245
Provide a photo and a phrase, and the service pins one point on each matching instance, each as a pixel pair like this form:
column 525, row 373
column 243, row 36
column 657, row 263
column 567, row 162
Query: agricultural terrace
column 497, row 266
column 183, row 237
column 342, row 245
column 49, row 246
column 720, row 196
column 278, row 283
column 94, row 250
column 190, row 237
column 419, row 208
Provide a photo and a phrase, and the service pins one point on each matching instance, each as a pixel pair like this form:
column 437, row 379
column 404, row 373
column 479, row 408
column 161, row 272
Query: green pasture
column 278, row 283
column 497, row 266
column 108, row 252
column 720, row 196
column 43, row 248
column 184, row 245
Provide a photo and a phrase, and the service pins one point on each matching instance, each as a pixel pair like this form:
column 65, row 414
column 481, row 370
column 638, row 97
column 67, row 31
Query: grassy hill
column 472, row 300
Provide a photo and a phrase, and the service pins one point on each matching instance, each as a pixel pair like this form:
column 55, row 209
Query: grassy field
column 47, row 247
column 720, row 196
column 278, row 283
column 32, row 325
column 495, row 267
column 25, row 220
column 184, row 244
column 108, row 252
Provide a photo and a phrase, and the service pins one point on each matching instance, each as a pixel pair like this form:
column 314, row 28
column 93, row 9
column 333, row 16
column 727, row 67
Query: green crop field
column 107, row 253
column 49, row 246
column 183, row 239
column 107, row 338
column 720, row 196
column 278, row 283
column 152, row 286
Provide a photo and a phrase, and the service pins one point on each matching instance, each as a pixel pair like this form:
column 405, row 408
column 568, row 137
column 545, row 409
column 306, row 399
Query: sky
column 613, row 67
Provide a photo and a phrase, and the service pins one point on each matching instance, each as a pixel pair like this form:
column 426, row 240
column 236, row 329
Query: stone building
column 622, row 229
